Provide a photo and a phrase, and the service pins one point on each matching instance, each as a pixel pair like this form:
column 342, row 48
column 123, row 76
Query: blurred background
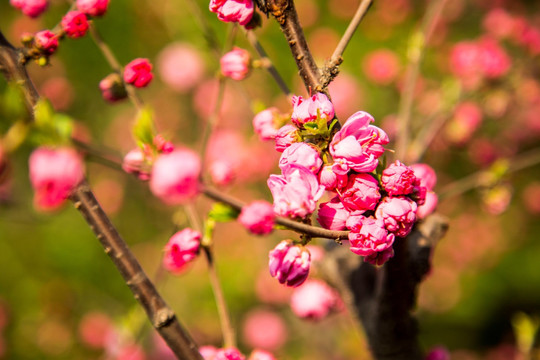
column 61, row 297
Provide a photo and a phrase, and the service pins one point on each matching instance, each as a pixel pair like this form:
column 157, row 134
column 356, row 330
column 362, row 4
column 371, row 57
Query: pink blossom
column 499, row 23
column 301, row 154
column 464, row 59
column 135, row 163
column 236, row 63
column 275, row 329
column 361, row 193
column 208, row 352
column 314, row 300
column 398, row 179
column 240, row 11
column 181, row 249
column 130, row 352
column 264, row 124
column 307, row 110
column 379, row 258
column 46, row 41
column 467, row 118
column 54, row 173
column 229, row 354
column 175, row 176
column 333, row 215
column 438, row 353
column 493, row 59
column 180, row 66
column 429, row 205
column 285, row 137
column 93, row 7
column 330, row 180
column 426, row 175
column 358, row 145
column 398, row 214
column 368, row 237
column 162, row 145
column 94, row 328
column 112, row 88
column 222, row 172
column 75, row 24
column 289, row 263
column 138, row 72
column 258, row 354
column 296, row 192
column 31, row 8
column 530, row 37
column 258, row 217
column 381, row 66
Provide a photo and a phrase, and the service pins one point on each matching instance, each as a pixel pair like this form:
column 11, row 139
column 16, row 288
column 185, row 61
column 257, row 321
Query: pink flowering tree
column 347, row 214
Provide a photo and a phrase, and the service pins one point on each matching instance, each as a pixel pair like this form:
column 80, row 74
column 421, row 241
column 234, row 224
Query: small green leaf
column 144, row 130
column 64, row 127
column 223, row 213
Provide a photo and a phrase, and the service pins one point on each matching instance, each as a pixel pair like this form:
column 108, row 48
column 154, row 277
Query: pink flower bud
column 181, row 249
column 240, row 11
column 361, row 193
column 265, row 125
column 258, row 217
column 134, row 163
column 307, row 110
column 112, row 88
column 331, row 180
column 163, row 145
column 314, row 300
column 398, row 214
column 426, row 175
column 138, row 73
column 381, row 66
column 368, row 237
column 46, row 41
column 175, row 176
column 333, row 215
column 296, row 192
column 289, row 263
column 31, row 8
column 301, row 154
column 429, row 205
column 258, row 354
column 75, row 24
column 180, row 66
column 54, row 173
column 93, row 7
column 285, row 137
column 236, row 63
column 229, row 354
column 398, row 179
column 208, row 352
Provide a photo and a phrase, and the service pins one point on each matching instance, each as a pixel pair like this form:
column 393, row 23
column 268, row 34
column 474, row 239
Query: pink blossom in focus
column 314, row 300
column 46, row 41
column 258, row 217
column 499, row 23
column 381, row 66
column 306, row 110
column 258, row 354
column 208, row 352
column 368, row 237
column 332, row 215
column 330, row 180
column 31, row 8
column 398, row 179
column 429, row 205
column 54, row 173
column 301, row 154
column 398, row 214
column 236, row 64
column 289, row 263
column 361, row 193
column 138, row 72
column 240, row 11
column 274, row 334
column 75, row 24
column 426, row 175
column 264, row 123
column 285, row 137
column 135, row 163
column 467, row 118
column 180, row 66
column 181, row 249
column 229, row 354
column 358, row 145
column 175, row 176
column 296, row 192
column 112, row 88
column 93, row 7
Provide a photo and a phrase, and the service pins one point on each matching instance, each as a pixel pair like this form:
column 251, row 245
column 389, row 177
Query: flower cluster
column 240, row 11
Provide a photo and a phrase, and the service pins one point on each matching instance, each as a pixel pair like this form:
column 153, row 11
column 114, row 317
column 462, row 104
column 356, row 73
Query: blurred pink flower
column 75, row 24
column 438, row 353
column 31, row 8
column 398, row 179
column 332, row 215
column 368, row 237
column 175, row 176
column 131, row 351
column 180, row 66
column 314, row 300
column 135, row 163
column 381, row 66
column 138, row 72
column 285, row 137
column 531, row 197
column 429, row 205
column 499, row 23
column 208, row 352
column 94, row 329
column 307, row 110
column 264, row 123
column 222, row 172
column 274, row 334
column 258, row 354
column 58, row 91
column 426, row 175
column 93, row 7
column 112, row 88
column 398, row 214
column 361, row 193
column 181, row 249
column 289, row 263
column 494, row 60
column 54, row 173
column 46, row 41
column 467, row 118
column 236, row 64
column 258, row 217
column 229, row 354
column 301, row 154
column 346, row 94
column 240, row 11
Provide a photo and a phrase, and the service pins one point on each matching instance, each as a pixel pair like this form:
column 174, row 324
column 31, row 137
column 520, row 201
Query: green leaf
column 44, row 114
column 144, row 130
column 222, row 213
column 64, row 127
